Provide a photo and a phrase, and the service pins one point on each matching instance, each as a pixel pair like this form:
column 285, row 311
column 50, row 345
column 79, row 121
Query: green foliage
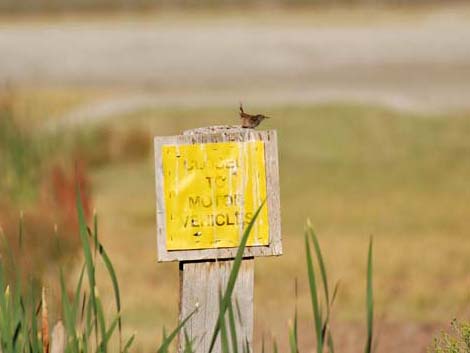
column 322, row 316
column 90, row 329
column 455, row 341
column 27, row 183
column 103, row 145
column 18, row 318
column 87, row 326
column 19, row 157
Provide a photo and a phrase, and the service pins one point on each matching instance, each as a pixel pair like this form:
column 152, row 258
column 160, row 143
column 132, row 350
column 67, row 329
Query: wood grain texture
column 201, row 283
column 222, row 134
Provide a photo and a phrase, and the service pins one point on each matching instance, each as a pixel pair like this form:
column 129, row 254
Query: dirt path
column 422, row 64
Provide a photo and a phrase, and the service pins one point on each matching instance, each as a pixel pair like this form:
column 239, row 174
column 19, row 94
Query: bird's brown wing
column 246, row 121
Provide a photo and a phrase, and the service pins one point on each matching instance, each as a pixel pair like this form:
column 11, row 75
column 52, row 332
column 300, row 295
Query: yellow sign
column 212, row 191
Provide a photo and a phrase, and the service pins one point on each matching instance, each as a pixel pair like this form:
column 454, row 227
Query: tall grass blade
column 226, row 299
column 34, row 344
column 83, row 309
column 95, row 232
column 326, row 336
column 369, row 301
column 16, row 334
column 224, row 338
column 314, row 296
column 321, row 263
column 335, row 293
column 188, row 343
column 233, row 329
column 327, row 327
column 76, row 299
column 330, row 343
column 103, row 345
column 68, row 316
column 223, row 330
column 168, row 339
column 292, row 341
column 296, row 332
column 293, row 333
column 90, row 323
column 114, row 279
column 109, row 332
column 296, row 292
column 90, row 266
column 128, row 344
column 239, row 311
column 112, row 274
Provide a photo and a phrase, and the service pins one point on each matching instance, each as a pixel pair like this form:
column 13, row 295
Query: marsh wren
column 251, row 121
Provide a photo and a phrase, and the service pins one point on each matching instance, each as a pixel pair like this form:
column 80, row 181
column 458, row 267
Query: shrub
column 455, row 341
column 36, row 178
column 24, row 318
column 19, row 156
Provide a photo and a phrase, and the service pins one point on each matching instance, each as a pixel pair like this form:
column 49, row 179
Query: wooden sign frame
column 214, row 135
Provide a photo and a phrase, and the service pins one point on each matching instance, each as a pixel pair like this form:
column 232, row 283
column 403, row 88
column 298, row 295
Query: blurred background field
column 372, row 110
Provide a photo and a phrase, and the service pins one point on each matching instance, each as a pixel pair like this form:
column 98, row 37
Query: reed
column 24, row 318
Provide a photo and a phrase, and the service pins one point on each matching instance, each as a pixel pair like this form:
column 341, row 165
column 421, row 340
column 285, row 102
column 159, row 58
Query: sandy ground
column 351, row 337
column 421, row 64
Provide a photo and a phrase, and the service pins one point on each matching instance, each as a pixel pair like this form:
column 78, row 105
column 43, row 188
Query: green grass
column 20, row 157
column 88, row 328
column 355, row 171
column 24, row 315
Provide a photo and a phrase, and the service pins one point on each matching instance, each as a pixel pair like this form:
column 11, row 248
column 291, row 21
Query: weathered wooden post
column 210, row 182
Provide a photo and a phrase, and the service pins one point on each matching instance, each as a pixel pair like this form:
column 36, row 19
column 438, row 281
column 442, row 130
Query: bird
column 251, row 121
